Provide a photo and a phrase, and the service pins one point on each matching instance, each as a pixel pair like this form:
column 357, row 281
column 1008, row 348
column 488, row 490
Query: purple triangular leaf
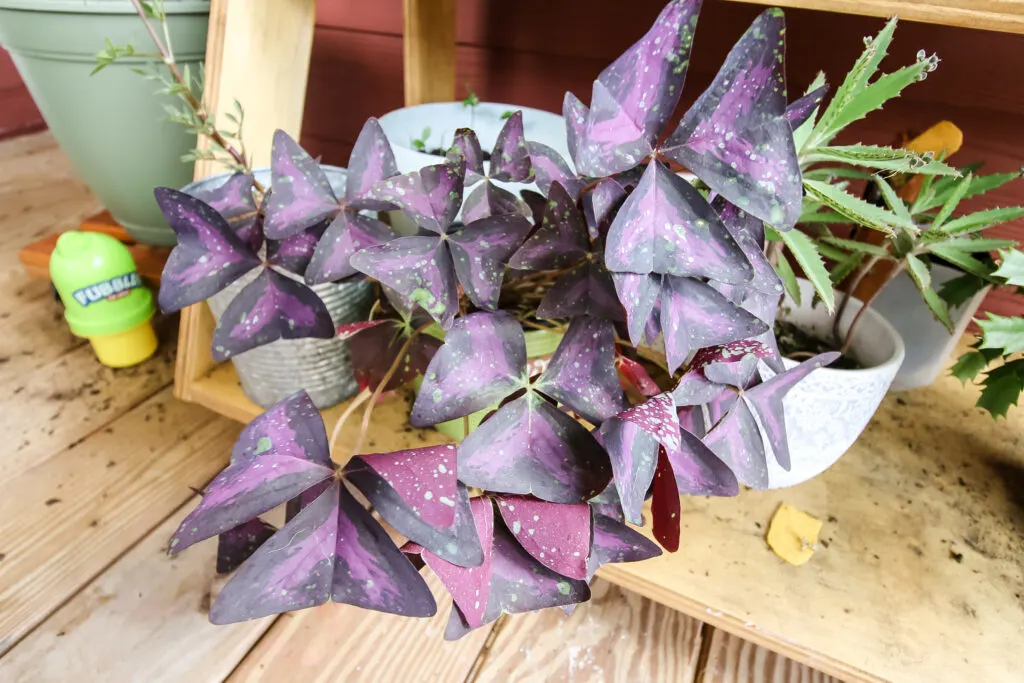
column 576, row 115
column 748, row 231
column 369, row 571
column 647, row 79
column 587, row 289
column 735, row 374
column 234, row 201
column 244, row 490
column 348, row 233
column 510, row 160
column 766, row 401
column 208, row 257
column 615, row 542
column 601, row 204
column 560, row 241
column 638, row 295
column 529, row 446
column 665, row 507
column 736, row 138
column 269, row 308
column 293, row 570
column 302, row 195
column 371, row 161
column 694, row 315
column 293, row 253
column 633, row 453
column 666, row 226
column 482, row 361
column 581, row 374
column 612, row 141
column 237, row 545
column 556, row 535
column 487, row 199
column 537, row 203
column 736, row 440
column 424, row 478
column 698, row 471
column 467, row 145
column 431, row 196
column 419, row 269
column 550, row 167
column 292, row 428
column 480, row 251
column 800, row 110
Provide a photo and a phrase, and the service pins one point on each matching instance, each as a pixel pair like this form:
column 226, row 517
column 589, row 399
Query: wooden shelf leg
column 429, row 51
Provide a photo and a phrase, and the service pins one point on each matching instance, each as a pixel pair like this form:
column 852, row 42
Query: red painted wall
column 18, row 114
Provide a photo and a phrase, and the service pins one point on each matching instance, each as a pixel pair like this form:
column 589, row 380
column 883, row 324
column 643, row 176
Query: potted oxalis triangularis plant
column 667, row 380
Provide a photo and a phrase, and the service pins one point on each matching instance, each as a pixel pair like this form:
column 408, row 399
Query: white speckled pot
column 827, row 411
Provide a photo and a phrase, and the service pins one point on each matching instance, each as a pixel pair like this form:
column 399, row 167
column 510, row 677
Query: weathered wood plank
column 66, row 519
column 428, row 50
column 734, row 660
column 144, row 619
column 617, row 636
column 345, row 643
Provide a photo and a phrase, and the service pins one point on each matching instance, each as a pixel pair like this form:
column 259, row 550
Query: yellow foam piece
column 943, row 140
column 793, row 534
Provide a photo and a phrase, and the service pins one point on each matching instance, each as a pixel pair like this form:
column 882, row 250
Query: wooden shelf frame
column 876, row 604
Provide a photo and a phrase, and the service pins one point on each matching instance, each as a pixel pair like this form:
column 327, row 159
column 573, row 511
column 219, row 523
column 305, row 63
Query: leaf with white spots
column 431, row 196
column 510, row 159
column 302, row 195
column 556, row 535
column 480, row 251
column 348, row 233
column 371, row 161
column 615, row 542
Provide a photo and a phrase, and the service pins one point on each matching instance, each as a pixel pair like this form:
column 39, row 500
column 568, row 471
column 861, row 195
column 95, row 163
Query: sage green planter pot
column 111, row 125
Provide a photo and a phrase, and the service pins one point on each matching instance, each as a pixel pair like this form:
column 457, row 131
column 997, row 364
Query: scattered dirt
column 798, row 345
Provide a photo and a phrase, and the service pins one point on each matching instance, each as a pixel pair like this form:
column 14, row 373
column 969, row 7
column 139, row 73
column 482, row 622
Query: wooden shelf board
column 992, row 15
column 921, row 572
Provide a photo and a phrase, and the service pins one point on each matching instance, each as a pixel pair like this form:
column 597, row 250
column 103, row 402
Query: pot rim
column 895, row 360
column 388, row 120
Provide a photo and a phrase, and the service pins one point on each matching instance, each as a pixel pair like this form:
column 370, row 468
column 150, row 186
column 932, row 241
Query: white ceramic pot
column 827, row 411
column 402, row 126
column 928, row 342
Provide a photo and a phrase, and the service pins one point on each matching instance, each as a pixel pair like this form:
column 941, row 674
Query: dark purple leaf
column 431, row 196
column 612, row 141
column 348, row 233
column 633, row 453
column 550, row 167
column 371, row 161
column 469, row 587
column 615, row 542
column 698, row 471
column 482, row 361
column 290, row 428
column 245, row 489
column 736, row 439
column 510, row 160
column 638, row 295
column 560, row 241
column 374, row 345
column 601, row 204
column 581, row 374
column 748, row 231
column 419, row 269
column 467, row 144
column 292, row 570
column 269, row 308
column 302, row 195
column 665, row 507
column 529, row 446
column 234, row 201
column 736, row 137
column 557, row 536
column 208, row 257
column 647, row 79
column 480, row 251
column 237, row 545
column 424, row 478
column 294, row 253
column 587, row 289
column 370, row 572
column 694, row 315
column 800, row 110
column 537, row 203
column 487, row 199
column 666, row 226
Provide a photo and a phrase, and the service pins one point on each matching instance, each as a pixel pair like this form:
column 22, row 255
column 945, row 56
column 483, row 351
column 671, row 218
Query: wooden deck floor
column 99, row 467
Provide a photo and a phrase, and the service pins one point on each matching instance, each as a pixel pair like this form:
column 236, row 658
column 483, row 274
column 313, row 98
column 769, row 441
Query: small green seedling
column 507, row 114
column 420, row 143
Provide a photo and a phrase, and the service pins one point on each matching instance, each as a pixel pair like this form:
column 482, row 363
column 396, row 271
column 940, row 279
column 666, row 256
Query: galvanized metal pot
column 270, row 373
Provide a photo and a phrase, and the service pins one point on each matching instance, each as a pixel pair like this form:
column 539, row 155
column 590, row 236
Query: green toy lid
column 99, row 285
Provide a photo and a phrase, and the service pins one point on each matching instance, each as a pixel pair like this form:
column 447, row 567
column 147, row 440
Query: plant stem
column 848, row 293
column 356, row 402
column 196, row 105
column 867, row 304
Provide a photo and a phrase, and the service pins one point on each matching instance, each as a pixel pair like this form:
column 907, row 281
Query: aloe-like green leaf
column 922, row 277
column 801, row 134
column 882, row 158
column 974, row 245
column 1011, row 267
column 893, row 200
column 1002, row 332
column 980, row 220
column 827, row 173
column 827, row 216
column 830, row 252
column 844, row 267
column 960, row 259
column 951, row 203
column 1002, row 387
column 855, row 245
column 980, row 184
column 856, row 209
column 806, row 254
column 788, row 278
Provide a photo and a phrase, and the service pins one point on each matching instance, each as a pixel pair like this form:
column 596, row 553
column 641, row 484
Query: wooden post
column 429, row 51
column 258, row 53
